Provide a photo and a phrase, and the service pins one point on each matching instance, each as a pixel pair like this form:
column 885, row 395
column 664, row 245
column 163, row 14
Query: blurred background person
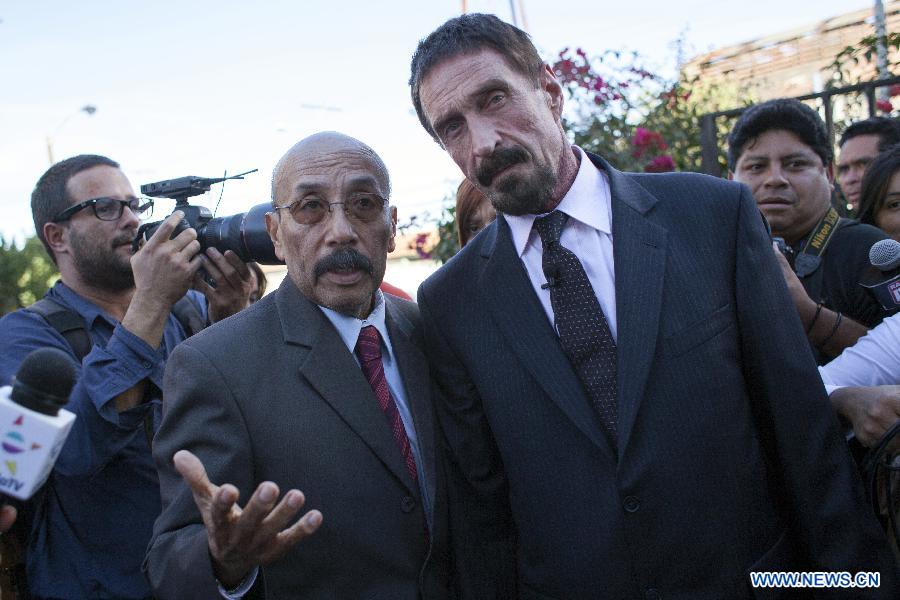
column 859, row 145
column 879, row 203
column 473, row 212
column 259, row 282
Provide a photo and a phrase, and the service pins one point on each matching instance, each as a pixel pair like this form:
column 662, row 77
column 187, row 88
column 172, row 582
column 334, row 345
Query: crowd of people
column 614, row 390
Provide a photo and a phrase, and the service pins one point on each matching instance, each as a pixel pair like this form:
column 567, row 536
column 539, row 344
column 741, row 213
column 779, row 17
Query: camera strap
column 810, row 257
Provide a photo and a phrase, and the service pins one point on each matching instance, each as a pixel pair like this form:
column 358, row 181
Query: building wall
column 790, row 63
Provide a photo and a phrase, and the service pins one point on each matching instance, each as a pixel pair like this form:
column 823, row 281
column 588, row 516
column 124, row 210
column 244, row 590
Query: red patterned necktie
column 368, row 349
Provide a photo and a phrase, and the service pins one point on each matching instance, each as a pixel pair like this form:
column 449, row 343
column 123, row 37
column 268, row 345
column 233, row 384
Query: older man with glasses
column 112, row 311
column 318, row 395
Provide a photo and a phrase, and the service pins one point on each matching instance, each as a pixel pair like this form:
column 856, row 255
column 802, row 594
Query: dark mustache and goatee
column 499, row 160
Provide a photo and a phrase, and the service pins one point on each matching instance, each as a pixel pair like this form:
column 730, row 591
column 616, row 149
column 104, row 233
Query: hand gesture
column 241, row 539
column 234, row 282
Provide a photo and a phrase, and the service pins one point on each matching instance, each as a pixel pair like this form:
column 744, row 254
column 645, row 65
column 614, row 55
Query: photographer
column 781, row 150
column 118, row 314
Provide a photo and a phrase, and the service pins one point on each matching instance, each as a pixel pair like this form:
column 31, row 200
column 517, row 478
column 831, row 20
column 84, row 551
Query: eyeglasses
column 109, row 209
column 363, row 207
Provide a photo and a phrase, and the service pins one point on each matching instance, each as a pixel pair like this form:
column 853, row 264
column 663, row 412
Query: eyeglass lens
column 110, row 209
column 364, row 208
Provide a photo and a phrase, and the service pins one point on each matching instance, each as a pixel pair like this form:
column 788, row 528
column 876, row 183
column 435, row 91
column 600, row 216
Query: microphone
column 33, row 424
column 551, row 272
column 885, row 255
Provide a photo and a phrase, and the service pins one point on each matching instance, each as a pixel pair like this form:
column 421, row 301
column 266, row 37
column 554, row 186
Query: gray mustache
column 343, row 259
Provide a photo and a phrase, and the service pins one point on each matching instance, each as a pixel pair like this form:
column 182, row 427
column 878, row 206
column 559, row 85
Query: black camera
column 244, row 234
column 785, row 250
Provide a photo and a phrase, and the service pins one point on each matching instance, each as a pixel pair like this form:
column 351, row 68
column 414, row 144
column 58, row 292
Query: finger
column 164, row 231
column 258, row 507
column 7, row 517
column 305, row 527
column 194, row 474
column 224, row 510
column 240, row 267
column 191, row 250
column 227, row 271
column 186, row 238
column 194, row 265
column 213, row 271
column 284, row 512
column 782, row 261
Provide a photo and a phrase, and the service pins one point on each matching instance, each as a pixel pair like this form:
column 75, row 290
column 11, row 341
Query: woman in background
column 473, row 212
column 879, row 202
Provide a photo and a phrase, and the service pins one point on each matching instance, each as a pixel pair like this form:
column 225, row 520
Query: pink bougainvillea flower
column 884, row 105
column 660, row 164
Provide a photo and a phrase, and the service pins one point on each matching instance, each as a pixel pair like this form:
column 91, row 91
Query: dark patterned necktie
column 368, row 349
column 583, row 331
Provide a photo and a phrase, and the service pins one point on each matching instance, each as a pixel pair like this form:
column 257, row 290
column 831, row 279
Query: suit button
column 632, row 504
column 408, row 504
column 651, row 594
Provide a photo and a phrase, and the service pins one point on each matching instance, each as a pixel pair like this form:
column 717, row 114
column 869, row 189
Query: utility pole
column 881, row 61
column 88, row 109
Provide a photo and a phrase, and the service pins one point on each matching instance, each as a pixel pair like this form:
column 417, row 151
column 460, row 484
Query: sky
column 198, row 87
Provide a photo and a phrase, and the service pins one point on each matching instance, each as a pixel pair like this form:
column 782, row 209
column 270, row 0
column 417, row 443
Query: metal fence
column 709, row 138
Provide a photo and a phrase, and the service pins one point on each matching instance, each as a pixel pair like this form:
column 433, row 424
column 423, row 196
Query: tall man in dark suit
column 320, row 387
column 629, row 400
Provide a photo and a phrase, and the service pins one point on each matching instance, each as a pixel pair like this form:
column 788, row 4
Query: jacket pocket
column 699, row 332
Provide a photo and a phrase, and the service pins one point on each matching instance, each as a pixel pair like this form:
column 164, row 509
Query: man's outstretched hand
column 241, row 539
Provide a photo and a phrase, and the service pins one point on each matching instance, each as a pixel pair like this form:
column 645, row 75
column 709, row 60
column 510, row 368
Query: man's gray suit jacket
column 729, row 457
column 273, row 394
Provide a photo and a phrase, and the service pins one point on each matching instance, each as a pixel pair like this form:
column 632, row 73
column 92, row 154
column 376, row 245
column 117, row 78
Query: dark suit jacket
column 729, row 457
column 273, row 394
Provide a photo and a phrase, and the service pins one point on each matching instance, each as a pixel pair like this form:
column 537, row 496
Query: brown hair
column 467, row 34
column 876, row 182
column 261, row 281
column 468, row 201
column 51, row 195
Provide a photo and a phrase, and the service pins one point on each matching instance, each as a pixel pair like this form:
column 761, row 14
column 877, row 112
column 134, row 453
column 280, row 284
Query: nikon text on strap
column 809, row 259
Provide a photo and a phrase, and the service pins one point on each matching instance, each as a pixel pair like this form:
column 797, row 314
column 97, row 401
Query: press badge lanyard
column 808, row 260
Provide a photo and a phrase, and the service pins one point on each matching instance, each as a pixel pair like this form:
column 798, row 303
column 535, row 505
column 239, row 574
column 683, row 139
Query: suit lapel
column 507, row 291
column 332, row 371
column 414, row 371
column 640, row 261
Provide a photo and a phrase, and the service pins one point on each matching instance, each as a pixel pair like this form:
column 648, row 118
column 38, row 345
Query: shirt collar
column 349, row 327
column 590, row 189
column 84, row 307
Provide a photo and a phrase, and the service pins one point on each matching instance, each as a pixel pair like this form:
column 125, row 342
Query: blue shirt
column 91, row 530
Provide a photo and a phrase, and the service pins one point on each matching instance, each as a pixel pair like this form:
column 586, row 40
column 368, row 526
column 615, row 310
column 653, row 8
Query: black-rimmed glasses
column 363, row 207
column 109, row 209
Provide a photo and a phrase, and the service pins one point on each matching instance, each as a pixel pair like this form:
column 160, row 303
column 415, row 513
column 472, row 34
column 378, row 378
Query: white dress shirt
column 587, row 233
column 873, row 360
